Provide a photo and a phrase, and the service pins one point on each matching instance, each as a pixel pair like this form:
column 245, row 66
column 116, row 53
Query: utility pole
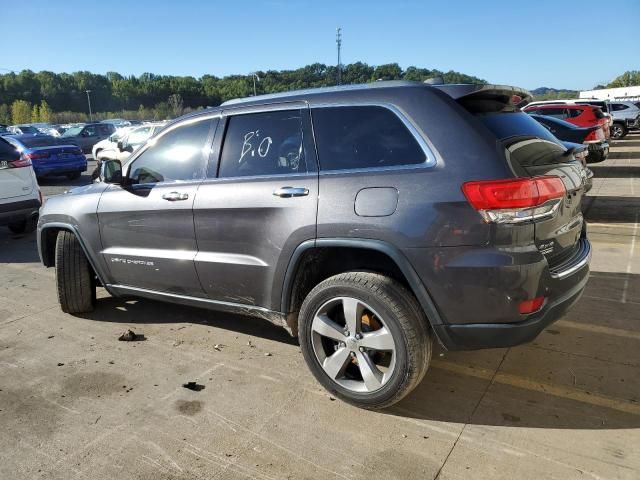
column 255, row 77
column 89, row 102
column 339, row 44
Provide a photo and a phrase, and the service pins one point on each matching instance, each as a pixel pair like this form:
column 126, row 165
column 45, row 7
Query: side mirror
column 111, row 171
column 121, row 145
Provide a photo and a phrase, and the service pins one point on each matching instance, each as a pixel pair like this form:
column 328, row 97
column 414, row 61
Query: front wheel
column 365, row 338
column 75, row 280
column 618, row 131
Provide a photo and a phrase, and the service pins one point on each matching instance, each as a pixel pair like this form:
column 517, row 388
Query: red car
column 579, row 115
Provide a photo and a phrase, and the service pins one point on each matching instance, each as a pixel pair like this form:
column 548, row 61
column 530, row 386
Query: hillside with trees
column 61, row 97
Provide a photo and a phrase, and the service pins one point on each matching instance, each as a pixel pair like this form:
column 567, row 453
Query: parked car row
column 616, row 117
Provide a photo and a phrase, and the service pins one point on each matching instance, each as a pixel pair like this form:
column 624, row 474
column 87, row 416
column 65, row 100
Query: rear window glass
column 41, row 141
column 7, row 151
column 526, row 141
column 363, row 137
column 506, row 125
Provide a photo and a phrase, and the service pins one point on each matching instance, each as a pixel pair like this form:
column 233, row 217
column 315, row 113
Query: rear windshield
column 526, row 141
column 42, row 141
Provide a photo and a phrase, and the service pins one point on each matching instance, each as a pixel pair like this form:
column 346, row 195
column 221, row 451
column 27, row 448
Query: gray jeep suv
column 367, row 220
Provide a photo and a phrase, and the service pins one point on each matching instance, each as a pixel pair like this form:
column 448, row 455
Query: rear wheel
column 618, row 131
column 365, row 338
column 75, row 280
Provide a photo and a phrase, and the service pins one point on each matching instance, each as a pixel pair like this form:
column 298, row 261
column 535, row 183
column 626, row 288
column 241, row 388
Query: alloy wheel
column 353, row 345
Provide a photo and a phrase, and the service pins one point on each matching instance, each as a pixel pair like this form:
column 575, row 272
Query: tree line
column 28, row 96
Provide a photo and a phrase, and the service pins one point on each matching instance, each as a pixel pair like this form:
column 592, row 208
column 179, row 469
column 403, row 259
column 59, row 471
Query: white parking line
column 631, row 250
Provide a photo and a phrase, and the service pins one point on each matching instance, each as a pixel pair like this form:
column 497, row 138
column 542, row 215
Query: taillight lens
column 36, row 155
column 530, row 306
column 515, row 200
column 22, row 162
column 596, row 135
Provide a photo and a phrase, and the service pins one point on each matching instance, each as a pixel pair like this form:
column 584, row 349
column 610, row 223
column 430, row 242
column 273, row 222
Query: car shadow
column 609, row 209
column 18, row 248
column 581, row 373
column 602, row 171
column 145, row 311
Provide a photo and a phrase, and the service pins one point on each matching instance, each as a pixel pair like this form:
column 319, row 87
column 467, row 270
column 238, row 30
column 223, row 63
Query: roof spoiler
column 487, row 98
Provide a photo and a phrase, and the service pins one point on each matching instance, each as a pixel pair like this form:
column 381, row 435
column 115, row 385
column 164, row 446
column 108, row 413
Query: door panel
column 247, row 226
column 146, row 227
column 149, row 241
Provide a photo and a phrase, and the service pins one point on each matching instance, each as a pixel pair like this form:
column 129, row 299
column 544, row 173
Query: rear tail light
column 531, row 306
column 36, row 155
column 515, row 200
column 21, row 162
column 596, row 135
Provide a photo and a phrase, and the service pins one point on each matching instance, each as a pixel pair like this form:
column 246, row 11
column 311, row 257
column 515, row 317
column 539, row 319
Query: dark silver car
column 367, row 220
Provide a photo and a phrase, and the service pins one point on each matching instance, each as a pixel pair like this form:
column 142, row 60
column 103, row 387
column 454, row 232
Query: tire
column 74, row 175
column 618, row 131
column 384, row 302
column 75, row 280
column 27, row 225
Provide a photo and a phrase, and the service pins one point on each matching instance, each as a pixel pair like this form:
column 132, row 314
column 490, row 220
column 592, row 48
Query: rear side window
column 618, row 106
column 598, row 113
column 179, row 155
column 574, row 112
column 553, row 112
column 363, row 137
column 266, row 143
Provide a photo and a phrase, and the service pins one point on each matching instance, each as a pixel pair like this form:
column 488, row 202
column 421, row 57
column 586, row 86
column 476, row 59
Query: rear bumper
column 498, row 335
column 18, row 211
column 477, row 292
column 42, row 170
column 598, row 152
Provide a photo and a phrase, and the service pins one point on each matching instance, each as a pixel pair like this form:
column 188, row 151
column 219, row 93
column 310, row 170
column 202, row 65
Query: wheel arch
column 47, row 236
column 296, row 285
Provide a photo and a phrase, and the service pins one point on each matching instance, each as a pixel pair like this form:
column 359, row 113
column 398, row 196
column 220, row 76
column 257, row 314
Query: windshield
column 72, row 132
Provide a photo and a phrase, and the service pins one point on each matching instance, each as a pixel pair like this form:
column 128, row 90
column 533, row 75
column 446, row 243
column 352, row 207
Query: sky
column 574, row 44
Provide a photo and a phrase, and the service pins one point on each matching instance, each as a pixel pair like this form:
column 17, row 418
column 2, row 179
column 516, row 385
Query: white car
column 111, row 142
column 20, row 196
column 126, row 144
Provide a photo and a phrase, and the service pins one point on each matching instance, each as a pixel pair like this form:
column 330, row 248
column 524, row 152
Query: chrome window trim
column 430, row 157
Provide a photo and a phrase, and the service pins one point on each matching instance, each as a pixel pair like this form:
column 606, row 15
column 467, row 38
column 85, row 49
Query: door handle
column 288, row 192
column 175, row 196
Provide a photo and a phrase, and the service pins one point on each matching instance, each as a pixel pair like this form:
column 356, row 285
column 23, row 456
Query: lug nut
column 362, row 349
column 346, row 333
column 359, row 336
column 353, row 354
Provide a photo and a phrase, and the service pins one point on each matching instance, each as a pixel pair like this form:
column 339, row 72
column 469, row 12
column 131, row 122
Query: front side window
column 267, row 143
column 179, row 155
column 89, row 131
column 619, row 106
column 363, row 137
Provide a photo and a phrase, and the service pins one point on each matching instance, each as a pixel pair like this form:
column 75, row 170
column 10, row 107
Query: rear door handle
column 175, row 196
column 288, row 192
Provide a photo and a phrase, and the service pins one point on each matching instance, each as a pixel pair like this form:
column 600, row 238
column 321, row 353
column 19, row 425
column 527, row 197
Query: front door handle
column 288, row 192
column 175, row 196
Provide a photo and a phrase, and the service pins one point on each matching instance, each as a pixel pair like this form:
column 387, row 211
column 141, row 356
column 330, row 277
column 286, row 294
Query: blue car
column 50, row 156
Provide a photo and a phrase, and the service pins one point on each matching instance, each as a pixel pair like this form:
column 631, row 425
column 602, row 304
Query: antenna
column 339, row 44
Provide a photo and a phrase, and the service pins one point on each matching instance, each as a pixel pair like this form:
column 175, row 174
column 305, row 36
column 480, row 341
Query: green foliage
column 545, row 93
column 65, row 93
column 5, row 114
column 35, row 114
column 45, row 112
column 627, row 79
column 20, row 112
